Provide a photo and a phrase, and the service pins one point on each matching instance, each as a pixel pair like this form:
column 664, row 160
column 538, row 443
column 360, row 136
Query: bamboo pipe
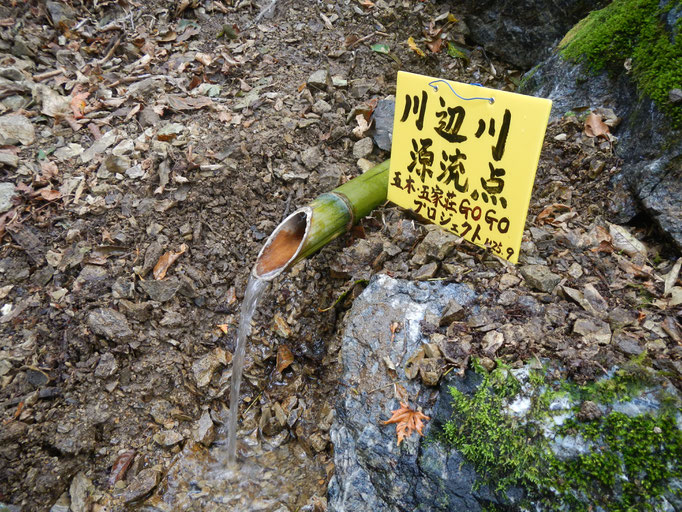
column 312, row 227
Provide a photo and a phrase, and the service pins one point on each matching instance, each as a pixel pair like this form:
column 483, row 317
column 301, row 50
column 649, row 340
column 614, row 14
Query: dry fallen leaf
column 118, row 470
column 413, row 46
column 407, row 421
column 166, row 260
column 223, row 328
column 595, row 127
column 547, row 216
column 284, row 358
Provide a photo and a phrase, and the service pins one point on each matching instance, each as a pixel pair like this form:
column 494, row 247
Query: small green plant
column 630, row 33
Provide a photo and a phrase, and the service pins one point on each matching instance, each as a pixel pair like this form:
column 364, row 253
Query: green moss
column 631, row 29
column 630, row 464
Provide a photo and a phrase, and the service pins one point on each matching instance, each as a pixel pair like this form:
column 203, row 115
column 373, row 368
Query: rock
column 80, row 490
column 627, row 344
column 363, row 148
column 675, row 96
column 619, row 318
column 319, row 79
column 437, row 245
column 6, row 195
column 492, row 342
column 453, row 312
column 364, row 449
column 649, row 180
column 593, row 330
column 321, row 107
column 9, row 159
column 61, row 14
column 63, row 504
column 143, row 483
column 511, row 31
column 426, row 271
column 540, row 278
column 168, row 438
column 311, row 157
column 16, row 129
column 204, row 430
column 161, row 291
column 106, row 366
column 110, row 324
column 147, row 117
column 204, row 367
column 383, row 123
column 99, row 146
column 623, row 240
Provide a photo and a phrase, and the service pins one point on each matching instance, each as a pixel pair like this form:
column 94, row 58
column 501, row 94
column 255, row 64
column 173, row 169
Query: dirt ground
column 191, row 129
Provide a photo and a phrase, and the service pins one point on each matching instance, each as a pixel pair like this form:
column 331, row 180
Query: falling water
column 254, row 289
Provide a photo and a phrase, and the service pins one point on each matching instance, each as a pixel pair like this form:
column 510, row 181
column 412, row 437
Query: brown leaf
column 546, row 216
column 436, row 45
column 595, row 127
column 48, row 194
column 407, row 421
column 284, row 358
column 118, row 470
column 165, row 261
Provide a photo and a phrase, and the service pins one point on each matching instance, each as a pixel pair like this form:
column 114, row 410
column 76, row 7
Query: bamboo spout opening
column 283, row 245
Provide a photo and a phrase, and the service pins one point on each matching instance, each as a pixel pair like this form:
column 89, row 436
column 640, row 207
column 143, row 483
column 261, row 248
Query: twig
column 111, row 51
column 48, row 74
column 358, row 41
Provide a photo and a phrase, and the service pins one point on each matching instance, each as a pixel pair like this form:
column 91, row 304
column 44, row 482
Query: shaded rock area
column 373, row 382
column 513, row 30
column 647, row 140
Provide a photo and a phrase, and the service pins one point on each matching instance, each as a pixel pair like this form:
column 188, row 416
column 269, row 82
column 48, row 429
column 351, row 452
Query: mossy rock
column 619, row 460
column 641, row 37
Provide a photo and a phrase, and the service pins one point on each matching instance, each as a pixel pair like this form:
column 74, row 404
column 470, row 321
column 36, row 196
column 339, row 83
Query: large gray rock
column 651, row 176
column 522, row 32
column 372, row 472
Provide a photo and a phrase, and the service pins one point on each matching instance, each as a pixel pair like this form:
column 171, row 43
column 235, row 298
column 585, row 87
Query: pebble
column 675, row 96
column 321, row 107
column 204, row 430
column 540, row 278
column 80, row 490
column 204, row 367
column 15, row 128
column 9, row 159
column 311, row 157
column 167, row 438
column 453, row 312
column 593, row 330
column 106, row 366
column 363, row 148
column 426, row 271
column 110, row 324
column 319, row 79
column 161, row 291
column 143, row 483
column 6, row 193
column 437, row 244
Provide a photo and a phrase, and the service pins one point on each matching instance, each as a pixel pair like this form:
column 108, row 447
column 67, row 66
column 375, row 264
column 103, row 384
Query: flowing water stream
column 254, row 290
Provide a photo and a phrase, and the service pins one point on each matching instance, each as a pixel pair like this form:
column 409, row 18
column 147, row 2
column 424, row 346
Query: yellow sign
column 464, row 157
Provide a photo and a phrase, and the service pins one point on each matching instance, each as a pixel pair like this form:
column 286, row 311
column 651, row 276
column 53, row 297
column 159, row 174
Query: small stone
column 319, row 79
column 453, row 312
column 311, row 157
column 487, row 363
column 135, row 172
column 63, row 504
column 161, row 291
column 508, row 281
column 575, row 271
column 204, row 430
column 619, row 317
column 71, row 150
column 365, row 165
column 160, row 411
column 9, row 159
column 492, row 342
column 6, row 194
column 627, row 344
column 167, row 438
column 507, row 298
column 623, row 240
column 593, row 330
column 540, row 278
column 339, row 81
column 321, row 107
column 426, row 271
column 675, row 96
column 143, row 483
column 317, row 442
column 657, row 345
column 589, row 411
column 437, row 245
column 61, row 13
column 15, row 128
column 561, row 137
column 99, row 146
column 147, row 117
column 204, row 367
column 116, row 164
column 431, row 350
column 363, row 148
column 383, row 123
column 110, row 324
column 430, row 371
column 107, row 366
column 80, row 490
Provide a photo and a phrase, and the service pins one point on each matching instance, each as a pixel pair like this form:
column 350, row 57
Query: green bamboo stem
column 311, row 227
